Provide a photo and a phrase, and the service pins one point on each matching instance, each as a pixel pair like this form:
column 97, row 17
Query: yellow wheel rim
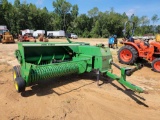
column 14, row 75
column 16, row 85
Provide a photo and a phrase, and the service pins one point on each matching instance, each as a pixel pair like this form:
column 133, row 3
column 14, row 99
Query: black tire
column 133, row 52
column 156, row 65
column 19, row 84
column 16, row 72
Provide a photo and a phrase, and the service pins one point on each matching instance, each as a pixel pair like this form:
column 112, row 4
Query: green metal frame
column 40, row 61
column 122, row 80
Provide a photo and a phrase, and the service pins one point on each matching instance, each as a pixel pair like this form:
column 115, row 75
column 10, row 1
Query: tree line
column 65, row 16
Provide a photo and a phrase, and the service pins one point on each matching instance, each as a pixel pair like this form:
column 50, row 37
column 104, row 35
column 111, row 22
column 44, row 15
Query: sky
column 137, row 7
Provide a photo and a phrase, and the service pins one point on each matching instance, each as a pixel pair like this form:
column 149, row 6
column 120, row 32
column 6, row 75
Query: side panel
column 101, row 56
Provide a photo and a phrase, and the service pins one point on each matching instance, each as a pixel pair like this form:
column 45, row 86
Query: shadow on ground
column 45, row 87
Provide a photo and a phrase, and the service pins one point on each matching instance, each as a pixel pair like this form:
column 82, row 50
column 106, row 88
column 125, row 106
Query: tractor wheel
column 156, row 65
column 16, row 72
column 19, row 84
column 127, row 55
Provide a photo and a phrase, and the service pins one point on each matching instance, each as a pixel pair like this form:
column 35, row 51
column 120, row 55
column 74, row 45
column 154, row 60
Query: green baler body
column 40, row 61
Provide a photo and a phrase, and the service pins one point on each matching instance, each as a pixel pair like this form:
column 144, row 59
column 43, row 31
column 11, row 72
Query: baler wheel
column 156, row 65
column 127, row 55
column 16, row 72
column 19, row 84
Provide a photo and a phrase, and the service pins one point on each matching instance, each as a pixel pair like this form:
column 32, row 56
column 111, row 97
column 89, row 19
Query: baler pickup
column 41, row 61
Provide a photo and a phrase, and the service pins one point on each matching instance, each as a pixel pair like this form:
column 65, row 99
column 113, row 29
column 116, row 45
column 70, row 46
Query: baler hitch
column 128, row 71
column 122, row 79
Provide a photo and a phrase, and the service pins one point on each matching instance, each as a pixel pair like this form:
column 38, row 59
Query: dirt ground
column 78, row 97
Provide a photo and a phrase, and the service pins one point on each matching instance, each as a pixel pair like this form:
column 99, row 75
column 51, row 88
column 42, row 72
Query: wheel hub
column 126, row 55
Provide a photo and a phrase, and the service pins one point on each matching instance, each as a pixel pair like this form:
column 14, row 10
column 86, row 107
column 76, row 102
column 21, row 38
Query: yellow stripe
column 14, row 75
column 16, row 85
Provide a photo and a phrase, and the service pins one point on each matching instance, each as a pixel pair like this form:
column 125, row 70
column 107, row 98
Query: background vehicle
column 27, row 31
column 5, row 36
column 132, row 50
column 38, row 32
column 50, row 35
column 68, row 35
column 28, row 37
column 145, row 37
column 3, row 29
column 55, row 34
column 74, row 36
column 42, row 38
column 71, row 35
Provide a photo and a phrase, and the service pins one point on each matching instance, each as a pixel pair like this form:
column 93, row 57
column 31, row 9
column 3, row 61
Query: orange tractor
column 42, row 38
column 26, row 38
column 132, row 50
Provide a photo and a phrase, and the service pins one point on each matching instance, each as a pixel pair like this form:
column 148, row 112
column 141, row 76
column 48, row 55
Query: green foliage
column 154, row 18
column 74, row 11
column 65, row 16
column 62, row 8
column 93, row 12
column 86, row 34
column 95, row 32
